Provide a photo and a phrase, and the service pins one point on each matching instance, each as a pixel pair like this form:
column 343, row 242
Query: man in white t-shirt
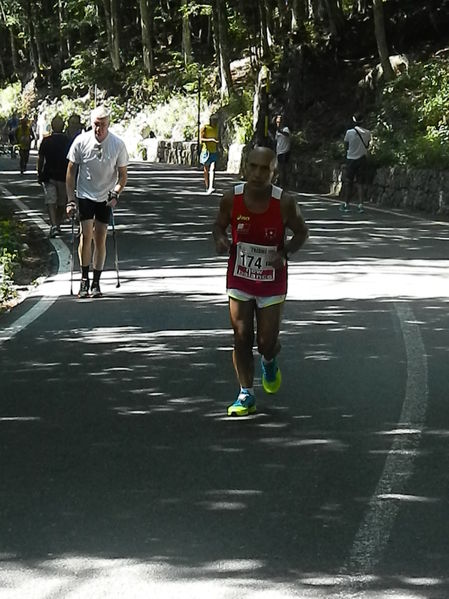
column 283, row 145
column 357, row 140
column 98, row 162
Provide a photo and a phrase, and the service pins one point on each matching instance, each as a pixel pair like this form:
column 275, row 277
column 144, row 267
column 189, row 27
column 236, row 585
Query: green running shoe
column 244, row 404
column 271, row 376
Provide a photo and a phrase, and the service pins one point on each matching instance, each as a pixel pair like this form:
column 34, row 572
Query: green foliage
column 240, row 117
column 9, row 100
column 412, row 127
column 10, row 255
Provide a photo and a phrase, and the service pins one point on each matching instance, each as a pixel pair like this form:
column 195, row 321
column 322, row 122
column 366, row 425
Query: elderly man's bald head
column 263, row 152
column 260, row 167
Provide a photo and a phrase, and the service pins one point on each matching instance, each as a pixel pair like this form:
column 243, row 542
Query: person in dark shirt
column 51, row 172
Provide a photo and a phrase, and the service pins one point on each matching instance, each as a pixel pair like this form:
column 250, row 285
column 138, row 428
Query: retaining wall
column 412, row 189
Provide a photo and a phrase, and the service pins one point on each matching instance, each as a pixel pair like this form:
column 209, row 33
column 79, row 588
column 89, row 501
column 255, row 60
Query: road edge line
column 45, row 302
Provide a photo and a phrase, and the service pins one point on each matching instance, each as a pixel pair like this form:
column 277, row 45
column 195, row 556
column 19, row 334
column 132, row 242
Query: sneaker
column 95, row 290
column 360, row 208
column 244, row 404
column 84, row 288
column 210, row 191
column 53, row 231
column 271, row 376
column 345, row 208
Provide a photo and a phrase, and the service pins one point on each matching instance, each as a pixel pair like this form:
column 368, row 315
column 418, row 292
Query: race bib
column 253, row 262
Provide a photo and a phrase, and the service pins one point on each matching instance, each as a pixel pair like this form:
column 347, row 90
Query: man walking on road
column 357, row 140
column 51, row 173
column 101, row 159
column 258, row 214
column 283, row 145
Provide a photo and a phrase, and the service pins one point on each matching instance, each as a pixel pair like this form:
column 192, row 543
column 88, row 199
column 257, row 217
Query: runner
column 101, row 159
column 259, row 214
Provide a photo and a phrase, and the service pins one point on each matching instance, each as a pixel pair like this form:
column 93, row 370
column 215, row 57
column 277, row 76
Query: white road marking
column 45, row 302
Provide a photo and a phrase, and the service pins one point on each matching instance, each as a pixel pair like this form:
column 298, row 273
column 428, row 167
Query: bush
column 10, row 256
column 412, row 127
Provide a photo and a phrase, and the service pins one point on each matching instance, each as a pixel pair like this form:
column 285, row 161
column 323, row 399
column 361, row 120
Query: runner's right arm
column 222, row 222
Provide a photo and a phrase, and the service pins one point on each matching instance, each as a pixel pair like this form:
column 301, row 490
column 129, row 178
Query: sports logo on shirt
column 270, row 233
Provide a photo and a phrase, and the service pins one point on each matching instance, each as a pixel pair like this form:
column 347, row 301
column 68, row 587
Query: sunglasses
column 99, row 150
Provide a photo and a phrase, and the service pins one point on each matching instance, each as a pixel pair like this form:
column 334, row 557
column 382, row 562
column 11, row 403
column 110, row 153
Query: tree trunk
column 34, row 57
column 381, row 40
column 220, row 24
column 186, row 34
column 264, row 33
column 111, row 21
column 336, row 18
column 115, row 36
column 14, row 52
column 63, row 41
column 299, row 13
column 146, row 25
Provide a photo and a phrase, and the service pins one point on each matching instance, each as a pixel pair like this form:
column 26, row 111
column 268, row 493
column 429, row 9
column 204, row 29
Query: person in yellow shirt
column 209, row 151
column 24, row 136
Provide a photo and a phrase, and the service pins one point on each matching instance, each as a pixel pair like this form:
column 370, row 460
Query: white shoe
column 210, row 190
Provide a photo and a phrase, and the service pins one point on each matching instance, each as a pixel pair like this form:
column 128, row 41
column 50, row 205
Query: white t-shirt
column 98, row 164
column 356, row 149
column 283, row 142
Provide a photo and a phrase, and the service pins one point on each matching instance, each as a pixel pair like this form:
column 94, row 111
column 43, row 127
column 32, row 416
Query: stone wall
column 396, row 187
column 422, row 190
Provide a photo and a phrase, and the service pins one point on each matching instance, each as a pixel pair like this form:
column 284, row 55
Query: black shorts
column 89, row 209
column 356, row 170
column 283, row 158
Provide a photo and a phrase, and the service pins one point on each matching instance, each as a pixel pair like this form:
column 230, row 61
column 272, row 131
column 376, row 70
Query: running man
column 209, row 151
column 101, row 159
column 258, row 214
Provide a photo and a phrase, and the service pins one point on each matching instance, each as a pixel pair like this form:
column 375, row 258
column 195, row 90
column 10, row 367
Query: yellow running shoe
column 271, row 376
column 244, row 404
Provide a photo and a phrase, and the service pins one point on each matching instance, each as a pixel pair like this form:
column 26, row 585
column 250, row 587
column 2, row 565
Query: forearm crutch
column 114, row 240
column 72, row 253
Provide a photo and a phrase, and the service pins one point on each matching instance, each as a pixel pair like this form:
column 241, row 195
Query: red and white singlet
column 255, row 237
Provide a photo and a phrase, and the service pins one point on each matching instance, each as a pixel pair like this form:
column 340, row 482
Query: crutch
column 114, row 240
column 72, row 259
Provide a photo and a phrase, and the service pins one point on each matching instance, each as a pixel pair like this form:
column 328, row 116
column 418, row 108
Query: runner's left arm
column 294, row 221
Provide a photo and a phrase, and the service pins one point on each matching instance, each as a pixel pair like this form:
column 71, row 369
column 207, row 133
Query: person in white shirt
column 283, row 145
column 357, row 140
column 97, row 167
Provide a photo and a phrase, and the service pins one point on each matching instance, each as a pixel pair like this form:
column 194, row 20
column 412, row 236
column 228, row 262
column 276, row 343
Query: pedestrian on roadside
column 209, row 138
column 11, row 126
column 97, row 168
column 357, row 140
column 283, row 145
column 74, row 126
column 258, row 214
column 51, row 173
column 24, row 137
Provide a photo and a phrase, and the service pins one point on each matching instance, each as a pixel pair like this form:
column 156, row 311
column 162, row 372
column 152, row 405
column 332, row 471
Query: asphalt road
column 121, row 475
